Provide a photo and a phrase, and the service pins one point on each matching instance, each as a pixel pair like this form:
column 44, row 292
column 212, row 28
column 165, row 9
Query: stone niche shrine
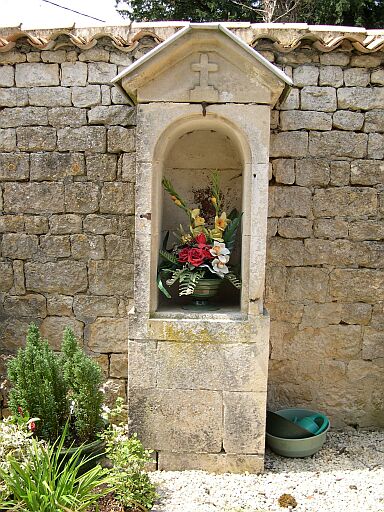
column 197, row 381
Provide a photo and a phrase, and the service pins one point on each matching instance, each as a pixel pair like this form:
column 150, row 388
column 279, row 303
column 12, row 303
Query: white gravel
column 346, row 475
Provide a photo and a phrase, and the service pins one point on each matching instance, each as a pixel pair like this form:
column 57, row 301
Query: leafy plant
column 46, row 483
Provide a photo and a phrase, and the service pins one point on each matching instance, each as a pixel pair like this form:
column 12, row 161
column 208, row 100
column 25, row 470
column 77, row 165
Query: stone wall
column 67, row 161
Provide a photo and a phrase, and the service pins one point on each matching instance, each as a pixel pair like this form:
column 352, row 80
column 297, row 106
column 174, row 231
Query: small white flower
column 219, row 267
column 219, row 250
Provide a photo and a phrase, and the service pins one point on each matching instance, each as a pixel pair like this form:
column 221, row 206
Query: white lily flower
column 219, row 249
column 219, row 267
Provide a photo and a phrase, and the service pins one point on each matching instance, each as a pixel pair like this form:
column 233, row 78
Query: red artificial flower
column 201, row 240
column 183, row 255
column 196, row 256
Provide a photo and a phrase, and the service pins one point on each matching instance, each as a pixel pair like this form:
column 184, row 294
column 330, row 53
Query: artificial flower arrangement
column 203, row 251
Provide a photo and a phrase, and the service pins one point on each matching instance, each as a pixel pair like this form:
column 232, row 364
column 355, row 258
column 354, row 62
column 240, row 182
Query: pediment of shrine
column 203, row 63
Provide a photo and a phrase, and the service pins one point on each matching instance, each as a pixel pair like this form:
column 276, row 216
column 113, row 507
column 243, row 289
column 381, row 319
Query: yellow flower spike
column 216, row 234
column 221, row 222
column 214, row 200
column 199, row 221
column 177, row 202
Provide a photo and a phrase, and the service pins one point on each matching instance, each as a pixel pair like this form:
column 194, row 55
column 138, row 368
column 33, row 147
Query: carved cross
column 204, row 67
column 203, row 91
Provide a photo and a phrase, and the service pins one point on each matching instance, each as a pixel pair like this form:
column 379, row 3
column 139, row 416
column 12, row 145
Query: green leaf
column 189, row 280
column 229, row 235
column 233, row 279
column 161, row 287
column 169, row 257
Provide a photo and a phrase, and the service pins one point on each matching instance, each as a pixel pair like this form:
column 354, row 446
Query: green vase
column 205, row 290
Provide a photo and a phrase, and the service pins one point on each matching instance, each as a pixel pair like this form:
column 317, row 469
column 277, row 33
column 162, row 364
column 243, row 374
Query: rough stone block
column 334, row 59
column 119, row 248
column 289, row 201
column 37, row 198
column 366, row 230
column 66, row 277
column 86, row 138
column 67, row 116
column 338, row 144
column 360, row 98
column 375, row 146
column 27, row 116
column 105, row 94
column 65, row 224
column 13, row 97
column 284, row 170
column 101, row 72
column 118, row 98
column 6, row 272
column 295, row 228
column 50, row 96
column 52, row 329
column 330, row 228
column 8, row 140
column 87, row 247
column 117, row 198
column 11, row 223
column 189, row 421
column 292, row 144
column 81, row 197
column 55, row 166
column 306, row 283
column 53, row 56
column 120, row 58
column 94, row 55
column 101, row 167
column 113, row 389
column 7, row 76
column 14, row 167
column 275, row 279
column 36, row 75
column 211, row 462
column 244, row 421
column 108, row 335
column 118, row 368
column 128, row 167
column 331, row 75
column 312, row 172
column 319, row 98
column 335, row 252
column 373, row 344
column 285, row 252
column 100, row 224
column 142, row 357
column 112, row 115
column 59, row 305
column 308, row 120
column 367, row 172
column 36, row 225
column 321, row 315
column 121, row 140
column 357, row 285
column 85, row 97
column 74, row 73
column 356, row 77
column 374, row 121
column 13, row 333
column 340, row 173
column 87, row 307
column 110, row 278
column 55, row 246
column 19, row 246
column 358, row 313
column 12, row 57
column 30, row 306
column 345, row 201
column 305, row 75
column 377, row 77
column 36, row 138
column 365, row 61
column 346, row 120
column 377, row 316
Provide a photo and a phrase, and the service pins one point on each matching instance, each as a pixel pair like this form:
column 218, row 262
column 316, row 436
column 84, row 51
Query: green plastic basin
column 296, row 447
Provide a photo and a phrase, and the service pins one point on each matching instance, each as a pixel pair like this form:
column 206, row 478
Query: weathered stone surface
column 55, row 246
column 334, row 59
column 74, row 73
column 305, row 75
column 36, row 138
column 112, row 115
column 118, row 98
column 284, row 170
column 321, row 315
column 94, row 55
column 292, row 144
column 377, row 316
column 67, row 116
column 309, row 120
column 211, row 462
column 100, row 224
column 285, row 252
column 89, row 96
column 11, row 223
column 292, row 101
column 306, row 283
column 87, row 307
column 13, row 332
column 142, row 357
column 7, row 76
column 330, row 228
column 33, row 197
column 18, row 278
column 359, row 313
column 59, row 305
column 366, row 230
column 319, row 98
column 340, row 173
column 87, row 247
column 27, row 116
column 6, row 273
column 374, row 121
column 101, row 72
column 376, row 146
column 101, row 167
column 244, row 420
column 186, row 420
column 373, row 344
column 286, row 311
column 108, row 335
column 357, row 285
column 336, row 143
column 65, row 224
column 12, row 57
column 13, row 97
column 120, row 58
column 312, row 172
column 113, row 389
column 331, row 75
column 36, row 75
column 335, row 252
column 365, row 61
column 36, row 225
column 31, row 305
column 345, row 201
column 103, row 361
column 50, row 96
column 377, row 77
column 367, row 172
column 128, row 167
column 289, row 201
column 19, row 246
column 8, row 139
column 346, row 120
column 295, row 228
column 121, row 140
column 81, row 197
column 52, row 329
column 275, row 282
column 55, row 166
column 119, row 248
column 53, row 56
column 110, row 278
column 117, row 198
column 355, row 77
column 360, row 98
column 66, row 277
column 14, row 167
column 86, row 138
column 119, row 366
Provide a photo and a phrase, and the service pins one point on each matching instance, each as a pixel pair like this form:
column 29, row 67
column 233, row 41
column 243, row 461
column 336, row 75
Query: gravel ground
column 346, row 475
